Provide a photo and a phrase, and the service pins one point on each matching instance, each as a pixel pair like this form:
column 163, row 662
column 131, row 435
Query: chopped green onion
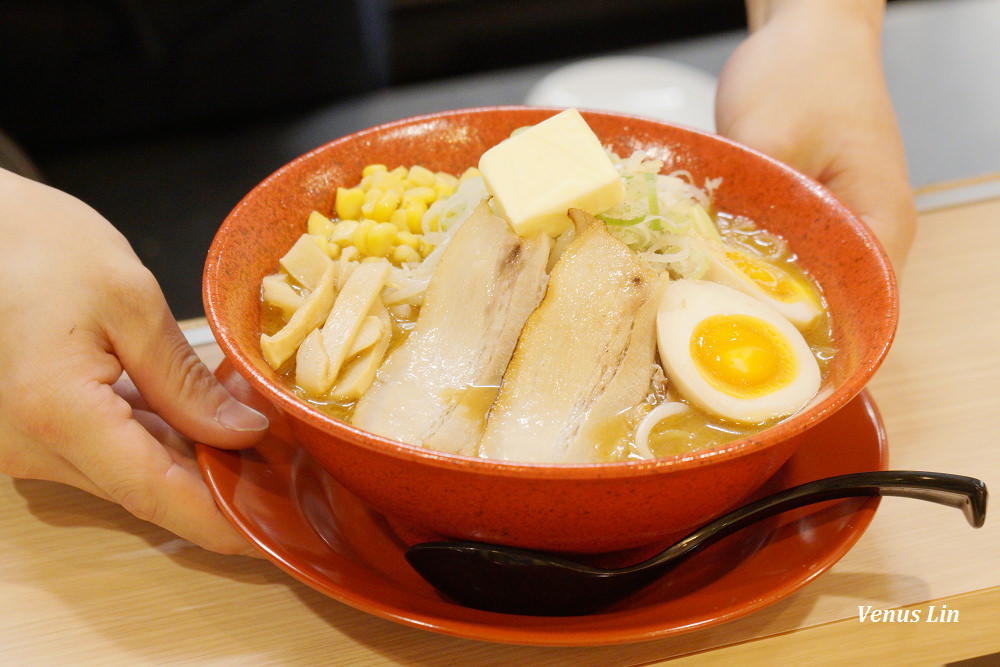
column 619, row 222
column 652, row 198
column 703, row 223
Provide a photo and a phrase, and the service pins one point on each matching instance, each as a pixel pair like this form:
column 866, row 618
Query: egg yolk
column 771, row 279
column 742, row 355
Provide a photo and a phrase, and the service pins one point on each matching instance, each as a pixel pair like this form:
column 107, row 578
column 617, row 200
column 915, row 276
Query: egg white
column 683, row 306
column 800, row 304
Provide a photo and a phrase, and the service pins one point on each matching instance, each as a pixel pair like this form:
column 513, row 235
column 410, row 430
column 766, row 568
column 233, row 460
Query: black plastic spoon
column 517, row 581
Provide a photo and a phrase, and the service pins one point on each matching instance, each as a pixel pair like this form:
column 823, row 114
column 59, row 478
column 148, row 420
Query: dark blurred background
column 77, row 73
column 161, row 115
column 433, row 38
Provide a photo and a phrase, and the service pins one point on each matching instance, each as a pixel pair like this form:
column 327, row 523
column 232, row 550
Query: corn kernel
column 398, row 219
column 349, row 202
column 380, row 239
column 324, row 244
column 387, row 181
column 445, row 177
column 399, row 172
column 424, row 193
column 471, row 172
column 319, row 224
column 343, row 232
column 424, row 248
column 421, row 176
column 408, row 239
column 373, row 168
column 382, row 208
column 372, row 195
column 404, row 253
column 443, row 189
column 414, row 213
column 360, row 235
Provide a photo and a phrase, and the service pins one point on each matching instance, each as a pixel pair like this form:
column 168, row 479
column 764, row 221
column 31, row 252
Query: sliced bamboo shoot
column 312, row 313
column 278, row 292
column 359, row 373
column 312, row 364
column 373, row 329
column 306, row 262
column 353, row 303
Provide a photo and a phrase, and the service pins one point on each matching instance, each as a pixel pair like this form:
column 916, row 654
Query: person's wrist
column 866, row 13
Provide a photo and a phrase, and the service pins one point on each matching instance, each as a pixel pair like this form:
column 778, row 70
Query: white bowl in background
column 638, row 85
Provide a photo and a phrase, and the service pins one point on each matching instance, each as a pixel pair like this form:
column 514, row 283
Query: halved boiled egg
column 732, row 355
column 788, row 294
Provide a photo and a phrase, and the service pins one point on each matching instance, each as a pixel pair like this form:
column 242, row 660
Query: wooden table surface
column 84, row 583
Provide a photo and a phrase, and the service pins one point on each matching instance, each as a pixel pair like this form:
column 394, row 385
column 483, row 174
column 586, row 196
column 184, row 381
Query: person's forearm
column 760, row 12
column 807, row 87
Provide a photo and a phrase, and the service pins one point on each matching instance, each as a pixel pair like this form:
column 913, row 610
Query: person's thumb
column 175, row 383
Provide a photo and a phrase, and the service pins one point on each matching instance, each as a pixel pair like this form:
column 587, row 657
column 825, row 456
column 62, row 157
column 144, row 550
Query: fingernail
column 238, row 417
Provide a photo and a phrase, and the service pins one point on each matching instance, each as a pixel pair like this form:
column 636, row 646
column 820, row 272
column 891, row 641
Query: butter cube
column 537, row 175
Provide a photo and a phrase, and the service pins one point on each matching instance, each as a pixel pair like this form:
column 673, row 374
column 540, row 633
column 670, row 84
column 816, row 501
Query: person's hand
column 77, row 308
column 807, row 88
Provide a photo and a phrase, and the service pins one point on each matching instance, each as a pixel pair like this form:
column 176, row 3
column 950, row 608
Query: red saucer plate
column 322, row 535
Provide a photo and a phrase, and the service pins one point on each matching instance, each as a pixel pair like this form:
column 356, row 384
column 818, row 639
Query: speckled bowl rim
column 775, row 435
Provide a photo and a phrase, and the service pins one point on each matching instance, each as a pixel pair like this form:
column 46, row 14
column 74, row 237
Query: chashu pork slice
column 435, row 389
column 586, row 354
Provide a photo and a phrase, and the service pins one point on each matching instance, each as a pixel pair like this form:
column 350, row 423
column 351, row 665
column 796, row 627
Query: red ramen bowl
column 585, row 508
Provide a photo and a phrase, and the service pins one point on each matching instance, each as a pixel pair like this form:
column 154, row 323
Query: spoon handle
column 965, row 493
